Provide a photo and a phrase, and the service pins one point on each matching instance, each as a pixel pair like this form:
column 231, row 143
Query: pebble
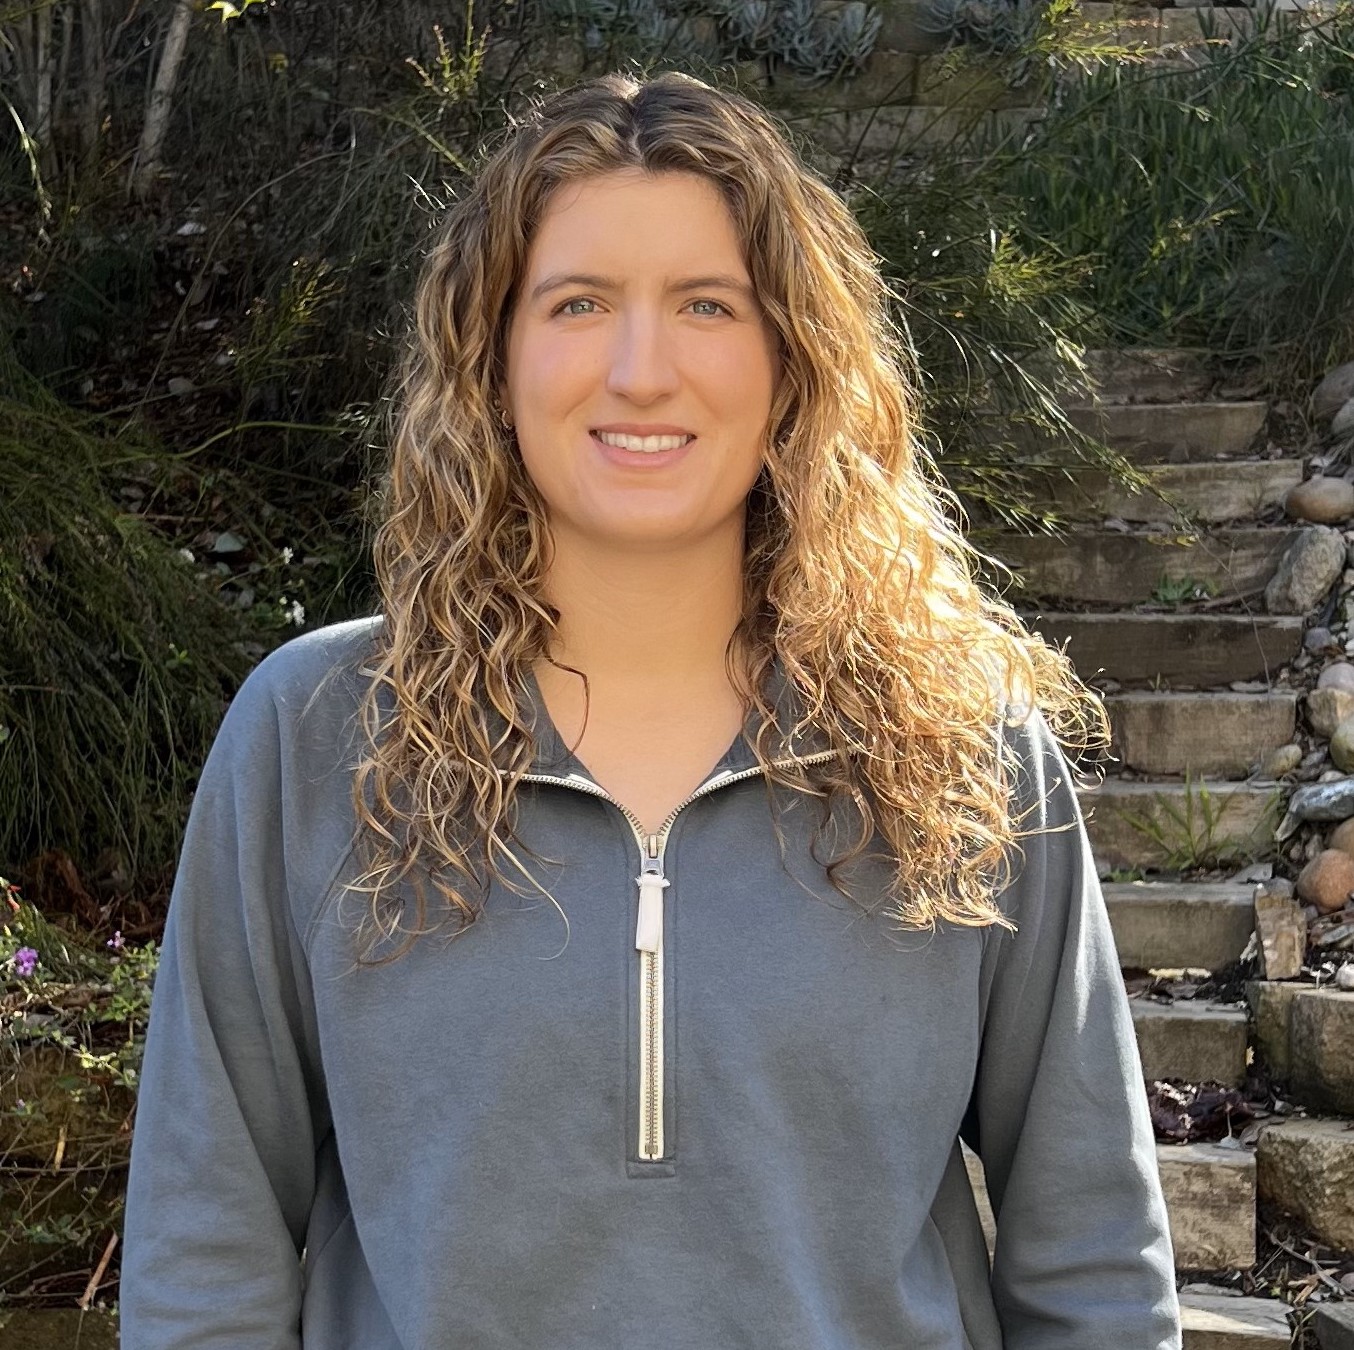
column 1344, row 979
column 1317, row 639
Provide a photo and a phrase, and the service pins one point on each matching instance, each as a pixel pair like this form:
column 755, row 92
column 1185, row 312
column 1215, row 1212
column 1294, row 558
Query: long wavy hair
column 854, row 574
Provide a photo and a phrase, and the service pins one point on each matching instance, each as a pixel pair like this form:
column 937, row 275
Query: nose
column 643, row 363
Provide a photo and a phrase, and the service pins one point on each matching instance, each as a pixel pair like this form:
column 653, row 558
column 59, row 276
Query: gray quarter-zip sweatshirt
column 712, row 1104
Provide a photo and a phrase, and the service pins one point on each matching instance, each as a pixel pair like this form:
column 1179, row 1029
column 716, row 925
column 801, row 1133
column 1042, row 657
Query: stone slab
column 1210, row 1199
column 1271, row 1003
column 1197, row 650
column 1208, row 733
column 1233, row 1322
column 1306, row 1168
column 1321, row 1051
column 1174, row 433
column 1235, row 823
column 1199, row 1042
column 1149, row 374
column 1208, row 493
column 1333, row 1326
column 1125, row 569
column 1169, row 925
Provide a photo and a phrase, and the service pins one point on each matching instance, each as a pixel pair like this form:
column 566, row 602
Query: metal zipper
column 649, row 932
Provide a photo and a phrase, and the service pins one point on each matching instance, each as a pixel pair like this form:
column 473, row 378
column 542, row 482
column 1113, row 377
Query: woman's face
column 635, row 317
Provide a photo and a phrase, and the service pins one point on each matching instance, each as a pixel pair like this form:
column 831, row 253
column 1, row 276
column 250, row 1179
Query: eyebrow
column 715, row 281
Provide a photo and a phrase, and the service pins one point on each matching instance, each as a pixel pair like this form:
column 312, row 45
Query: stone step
column 1106, row 568
column 1210, row 1202
column 1195, row 650
column 1306, row 1168
column 1333, row 1326
column 1304, row 1036
column 1162, row 824
column 1162, row 925
column 1211, row 733
column 1228, row 1321
column 1234, row 489
column 1147, row 374
column 1163, row 433
column 1190, row 1039
column 1210, row 1199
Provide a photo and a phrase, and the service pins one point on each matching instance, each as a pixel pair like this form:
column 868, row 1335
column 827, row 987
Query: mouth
column 643, row 445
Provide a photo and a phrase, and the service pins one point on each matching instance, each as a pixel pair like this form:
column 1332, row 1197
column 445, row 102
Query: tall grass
column 1211, row 198
column 115, row 661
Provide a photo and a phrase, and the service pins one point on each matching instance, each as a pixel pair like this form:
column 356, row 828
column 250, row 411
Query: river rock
column 1342, row 837
column 1311, row 563
column 1334, row 391
column 1328, row 501
column 1342, row 745
column 1328, row 880
column 1337, row 675
column 1327, row 708
column 1318, row 639
column 1342, row 424
column 1282, row 760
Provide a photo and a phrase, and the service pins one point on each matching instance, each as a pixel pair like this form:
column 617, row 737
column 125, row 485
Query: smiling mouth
column 645, row 445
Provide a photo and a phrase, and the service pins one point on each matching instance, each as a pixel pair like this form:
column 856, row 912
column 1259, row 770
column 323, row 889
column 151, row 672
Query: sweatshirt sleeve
column 230, row 1107
column 1083, row 1253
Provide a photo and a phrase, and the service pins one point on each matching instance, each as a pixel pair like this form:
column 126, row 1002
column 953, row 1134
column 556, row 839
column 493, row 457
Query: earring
column 504, row 416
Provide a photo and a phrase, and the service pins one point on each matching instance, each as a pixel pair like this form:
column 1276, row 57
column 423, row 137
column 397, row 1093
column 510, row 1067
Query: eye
column 715, row 303
column 577, row 300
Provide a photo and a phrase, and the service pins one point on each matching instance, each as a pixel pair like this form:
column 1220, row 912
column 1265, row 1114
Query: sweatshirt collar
column 555, row 759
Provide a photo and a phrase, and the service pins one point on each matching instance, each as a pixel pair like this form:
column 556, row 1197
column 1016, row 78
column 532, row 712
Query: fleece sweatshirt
column 701, row 1102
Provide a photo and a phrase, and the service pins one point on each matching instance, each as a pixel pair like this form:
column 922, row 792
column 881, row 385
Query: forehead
column 636, row 216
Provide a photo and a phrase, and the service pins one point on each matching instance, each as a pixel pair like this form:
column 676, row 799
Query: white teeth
column 645, row 444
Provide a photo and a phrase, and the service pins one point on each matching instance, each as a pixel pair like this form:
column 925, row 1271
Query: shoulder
column 304, row 697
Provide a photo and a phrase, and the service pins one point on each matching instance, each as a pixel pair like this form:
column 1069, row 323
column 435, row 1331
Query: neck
column 652, row 621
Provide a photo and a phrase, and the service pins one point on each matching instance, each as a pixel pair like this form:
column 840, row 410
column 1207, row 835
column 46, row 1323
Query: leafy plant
column 1192, row 834
column 1175, row 590
column 76, row 1015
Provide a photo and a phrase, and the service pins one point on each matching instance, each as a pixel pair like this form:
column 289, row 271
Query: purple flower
column 25, row 960
column 115, row 942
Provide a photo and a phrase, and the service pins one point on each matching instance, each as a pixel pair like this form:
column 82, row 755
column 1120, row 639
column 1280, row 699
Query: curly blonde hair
column 854, row 575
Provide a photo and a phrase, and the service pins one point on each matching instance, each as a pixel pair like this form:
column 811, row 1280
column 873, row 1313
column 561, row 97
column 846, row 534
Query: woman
column 686, row 719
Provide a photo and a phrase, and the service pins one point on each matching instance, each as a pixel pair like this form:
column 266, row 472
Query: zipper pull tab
column 652, row 883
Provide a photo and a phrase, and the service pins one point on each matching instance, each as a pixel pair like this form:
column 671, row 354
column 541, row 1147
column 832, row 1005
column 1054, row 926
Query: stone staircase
column 1199, row 698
